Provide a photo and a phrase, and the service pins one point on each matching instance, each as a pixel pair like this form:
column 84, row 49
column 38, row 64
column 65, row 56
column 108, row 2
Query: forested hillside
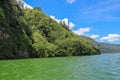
column 27, row 33
column 14, row 42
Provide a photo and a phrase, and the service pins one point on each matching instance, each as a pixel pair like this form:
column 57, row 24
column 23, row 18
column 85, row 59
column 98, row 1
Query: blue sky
column 98, row 19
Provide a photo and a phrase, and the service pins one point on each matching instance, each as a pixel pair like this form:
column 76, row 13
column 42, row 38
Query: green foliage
column 14, row 42
column 62, row 23
column 30, row 33
column 45, row 49
column 2, row 16
column 77, row 46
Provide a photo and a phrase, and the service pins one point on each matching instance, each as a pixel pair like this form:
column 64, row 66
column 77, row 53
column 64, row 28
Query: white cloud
column 71, row 1
column 111, row 37
column 71, row 24
column 82, row 31
column 94, row 36
column 58, row 20
column 53, row 17
column 23, row 5
column 65, row 20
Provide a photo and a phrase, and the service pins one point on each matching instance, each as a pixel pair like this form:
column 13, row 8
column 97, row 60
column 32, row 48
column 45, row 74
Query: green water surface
column 98, row 67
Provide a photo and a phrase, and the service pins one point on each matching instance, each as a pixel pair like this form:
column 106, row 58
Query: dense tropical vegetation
column 28, row 33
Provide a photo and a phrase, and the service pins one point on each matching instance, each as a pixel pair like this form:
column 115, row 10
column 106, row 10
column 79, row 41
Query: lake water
column 98, row 67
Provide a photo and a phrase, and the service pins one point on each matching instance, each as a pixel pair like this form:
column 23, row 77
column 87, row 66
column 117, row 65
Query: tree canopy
column 28, row 33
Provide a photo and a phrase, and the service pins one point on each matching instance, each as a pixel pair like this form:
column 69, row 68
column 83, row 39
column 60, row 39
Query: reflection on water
column 98, row 67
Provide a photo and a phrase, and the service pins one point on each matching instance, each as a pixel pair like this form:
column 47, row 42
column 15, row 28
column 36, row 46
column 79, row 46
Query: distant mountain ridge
column 109, row 48
column 106, row 47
